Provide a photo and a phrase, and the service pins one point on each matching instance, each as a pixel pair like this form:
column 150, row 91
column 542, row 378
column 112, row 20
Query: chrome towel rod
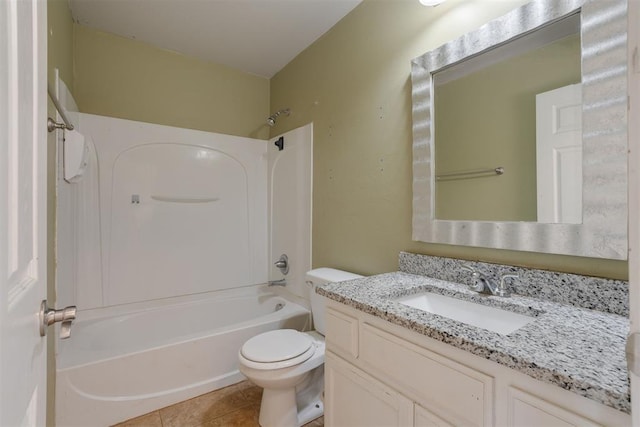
column 477, row 173
column 52, row 124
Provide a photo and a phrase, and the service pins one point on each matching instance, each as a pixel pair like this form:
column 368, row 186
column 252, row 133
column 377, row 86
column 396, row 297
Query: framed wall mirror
column 520, row 133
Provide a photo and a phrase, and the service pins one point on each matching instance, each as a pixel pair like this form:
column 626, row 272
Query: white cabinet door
column 526, row 410
column 354, row 399
column 425, row 418
column 23, row 225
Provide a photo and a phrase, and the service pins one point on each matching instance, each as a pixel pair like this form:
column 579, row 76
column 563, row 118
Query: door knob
column 49, row 316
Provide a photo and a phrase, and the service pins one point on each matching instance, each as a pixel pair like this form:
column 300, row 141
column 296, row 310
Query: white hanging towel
column 75, row 155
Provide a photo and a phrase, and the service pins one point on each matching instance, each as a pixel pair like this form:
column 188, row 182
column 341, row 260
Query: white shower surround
column 220, row 298
column 160, row 249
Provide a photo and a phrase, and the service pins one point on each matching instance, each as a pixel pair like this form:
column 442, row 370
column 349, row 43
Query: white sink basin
column 481, row 316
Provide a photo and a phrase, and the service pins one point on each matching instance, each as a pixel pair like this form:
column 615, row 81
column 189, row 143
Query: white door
column 559, row 155
column 23, row 244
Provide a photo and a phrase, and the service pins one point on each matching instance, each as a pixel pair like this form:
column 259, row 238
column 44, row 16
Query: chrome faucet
column 283, row 265
column 485, row 285
column 281, row 282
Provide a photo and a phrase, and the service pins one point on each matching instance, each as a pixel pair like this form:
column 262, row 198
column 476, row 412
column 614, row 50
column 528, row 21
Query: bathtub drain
column 279, row 306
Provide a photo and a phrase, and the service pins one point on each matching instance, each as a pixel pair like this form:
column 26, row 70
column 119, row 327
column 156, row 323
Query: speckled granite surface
column 574, row 348
column 595, row 293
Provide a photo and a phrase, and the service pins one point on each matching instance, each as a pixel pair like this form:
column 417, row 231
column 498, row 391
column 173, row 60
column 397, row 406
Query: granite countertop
column 580, row 350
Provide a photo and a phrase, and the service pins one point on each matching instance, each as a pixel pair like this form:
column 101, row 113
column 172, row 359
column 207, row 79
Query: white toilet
column 289, row 365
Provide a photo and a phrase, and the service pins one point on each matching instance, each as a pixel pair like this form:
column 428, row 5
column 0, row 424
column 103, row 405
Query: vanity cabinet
column 380, row 374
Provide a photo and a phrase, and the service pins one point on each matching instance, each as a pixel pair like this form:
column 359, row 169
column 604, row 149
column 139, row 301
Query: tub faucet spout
column 281, row 282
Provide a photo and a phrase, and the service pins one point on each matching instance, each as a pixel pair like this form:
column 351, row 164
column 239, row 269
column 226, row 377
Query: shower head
column 271, row 120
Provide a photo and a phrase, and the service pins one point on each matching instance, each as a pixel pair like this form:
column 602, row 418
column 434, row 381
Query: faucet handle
column 468, row 267
column 502, row 290
column 282, row 264
column 479, row 281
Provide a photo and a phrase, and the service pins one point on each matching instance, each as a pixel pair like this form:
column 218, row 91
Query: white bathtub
column 125, row 361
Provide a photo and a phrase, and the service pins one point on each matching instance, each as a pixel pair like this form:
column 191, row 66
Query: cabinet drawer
column 451, row 391
column 528, row 410
column 342, row 334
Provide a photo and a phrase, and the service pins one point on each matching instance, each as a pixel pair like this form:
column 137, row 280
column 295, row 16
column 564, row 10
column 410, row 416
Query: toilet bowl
column 289, row 365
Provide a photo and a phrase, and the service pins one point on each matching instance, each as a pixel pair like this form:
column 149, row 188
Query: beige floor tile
column 318, row 422
column 199, row 410
column 245, row 417
column 252, row 392
column 236, row 405
column 148, row 420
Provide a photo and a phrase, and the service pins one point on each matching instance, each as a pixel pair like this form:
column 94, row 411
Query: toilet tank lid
column 327, row 275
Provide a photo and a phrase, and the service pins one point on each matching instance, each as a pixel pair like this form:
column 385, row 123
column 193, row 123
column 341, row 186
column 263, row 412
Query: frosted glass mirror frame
column 603, row 232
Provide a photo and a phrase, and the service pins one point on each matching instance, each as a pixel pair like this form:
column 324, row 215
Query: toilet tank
column 319, row 277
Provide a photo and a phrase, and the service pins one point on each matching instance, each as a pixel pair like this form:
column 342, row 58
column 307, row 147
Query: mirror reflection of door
column 484, row 117
column 559, row 155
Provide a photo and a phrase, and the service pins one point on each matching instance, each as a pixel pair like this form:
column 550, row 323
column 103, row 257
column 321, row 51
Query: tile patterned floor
column 236, row 405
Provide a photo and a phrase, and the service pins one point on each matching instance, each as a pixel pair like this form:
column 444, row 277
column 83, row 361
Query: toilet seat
column 277, row 349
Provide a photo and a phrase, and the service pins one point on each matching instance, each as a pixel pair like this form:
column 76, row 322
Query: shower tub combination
column 122, row 363
column 164, row 249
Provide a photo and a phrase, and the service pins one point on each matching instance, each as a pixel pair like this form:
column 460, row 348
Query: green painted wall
column 354, row 85
column 488, row 119
column 60, row 56
column 60, row 40
column 124, row 78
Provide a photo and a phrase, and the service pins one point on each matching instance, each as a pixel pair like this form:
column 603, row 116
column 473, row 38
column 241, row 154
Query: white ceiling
column 256, row 36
